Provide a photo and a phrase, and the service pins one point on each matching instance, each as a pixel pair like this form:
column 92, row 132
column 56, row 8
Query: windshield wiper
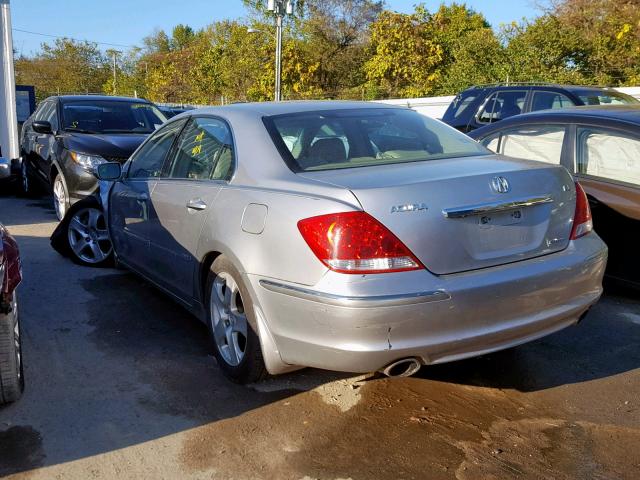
column 79, row 130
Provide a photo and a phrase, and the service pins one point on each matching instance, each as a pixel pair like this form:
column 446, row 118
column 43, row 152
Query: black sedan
column 601, row 147
column 68, row 136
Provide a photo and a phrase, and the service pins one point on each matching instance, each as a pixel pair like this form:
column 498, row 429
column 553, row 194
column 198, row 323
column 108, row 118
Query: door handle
column 196, row 204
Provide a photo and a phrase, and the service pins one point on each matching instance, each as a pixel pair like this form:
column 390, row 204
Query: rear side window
column 606, row 98
column 205, row 151
column 550, row 100
column 365, row 137
column 608, row 154
column 542, row 143
column 502, row 105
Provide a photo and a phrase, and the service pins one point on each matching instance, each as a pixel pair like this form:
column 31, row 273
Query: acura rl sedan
column 343, row 235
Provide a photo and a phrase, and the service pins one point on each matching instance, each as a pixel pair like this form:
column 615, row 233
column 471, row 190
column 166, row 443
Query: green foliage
column 353, row 49
column 66, row 66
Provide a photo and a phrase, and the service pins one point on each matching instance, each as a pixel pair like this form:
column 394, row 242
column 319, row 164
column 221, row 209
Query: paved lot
column 121, row 384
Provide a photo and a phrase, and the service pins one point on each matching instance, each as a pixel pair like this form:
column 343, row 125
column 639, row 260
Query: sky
column 126, row 22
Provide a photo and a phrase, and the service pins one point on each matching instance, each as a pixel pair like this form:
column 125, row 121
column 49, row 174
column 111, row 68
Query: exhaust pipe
column 402, row 368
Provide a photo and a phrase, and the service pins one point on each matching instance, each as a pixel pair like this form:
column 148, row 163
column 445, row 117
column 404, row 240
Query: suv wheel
column 60, row 196
column 230, row 315
column 11, row 374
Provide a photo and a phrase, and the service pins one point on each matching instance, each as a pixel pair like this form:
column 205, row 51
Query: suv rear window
column 330, row 140
column 460, row 104
column 606, row 98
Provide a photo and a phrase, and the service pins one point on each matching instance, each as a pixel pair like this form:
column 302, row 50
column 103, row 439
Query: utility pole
column 114, row 54
column 280, row 8
column 8, row 117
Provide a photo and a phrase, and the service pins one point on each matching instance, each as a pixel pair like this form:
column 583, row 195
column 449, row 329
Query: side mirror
column 110, row 171
column 41, row 126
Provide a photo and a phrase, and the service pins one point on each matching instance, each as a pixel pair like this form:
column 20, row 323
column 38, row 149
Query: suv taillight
column 582, row 223
column 355, row 242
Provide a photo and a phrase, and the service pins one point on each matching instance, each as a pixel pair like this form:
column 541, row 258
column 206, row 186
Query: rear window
column 606, row 98
column 364, row 137
column 459, row 105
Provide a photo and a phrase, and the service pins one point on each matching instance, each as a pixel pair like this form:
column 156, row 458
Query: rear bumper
column 362, row 323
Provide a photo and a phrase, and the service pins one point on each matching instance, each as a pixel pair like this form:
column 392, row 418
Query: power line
column 74, row 39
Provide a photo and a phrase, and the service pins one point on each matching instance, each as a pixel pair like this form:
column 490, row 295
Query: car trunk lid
column 453, row 215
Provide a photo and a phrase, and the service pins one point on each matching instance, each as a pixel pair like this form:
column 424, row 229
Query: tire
column 60, row 196
column 11, row 372
column 86, row 232
column 236, row 346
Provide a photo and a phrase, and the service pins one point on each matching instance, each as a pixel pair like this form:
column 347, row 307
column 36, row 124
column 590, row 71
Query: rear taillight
column 355, row 242
column 582, row 223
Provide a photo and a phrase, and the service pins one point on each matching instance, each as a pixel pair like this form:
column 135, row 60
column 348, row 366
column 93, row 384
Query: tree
column 404, row 60
column 66, row 66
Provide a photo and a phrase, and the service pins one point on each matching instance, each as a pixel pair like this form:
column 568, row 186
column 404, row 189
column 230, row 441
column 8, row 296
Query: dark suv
column 485, row 104
column 67, row 136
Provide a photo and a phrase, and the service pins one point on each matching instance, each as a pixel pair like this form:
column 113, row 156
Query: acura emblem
column 500, row 185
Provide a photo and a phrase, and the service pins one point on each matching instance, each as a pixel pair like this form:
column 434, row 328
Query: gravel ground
column 121, row 384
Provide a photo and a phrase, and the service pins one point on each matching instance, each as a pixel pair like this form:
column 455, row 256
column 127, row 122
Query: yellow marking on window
column 196, row 150
column 200, row 136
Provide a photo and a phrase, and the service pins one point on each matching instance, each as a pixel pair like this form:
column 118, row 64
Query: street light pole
column 114, row 53
column 280, row 8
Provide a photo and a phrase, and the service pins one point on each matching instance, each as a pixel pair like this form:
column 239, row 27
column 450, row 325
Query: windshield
column 105, row 116
column 606, row 98
column 364, row 137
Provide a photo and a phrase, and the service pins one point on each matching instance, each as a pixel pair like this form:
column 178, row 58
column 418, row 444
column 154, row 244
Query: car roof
column 603, row 113
column 629, row 113
column 261, row 109
column 68, row 98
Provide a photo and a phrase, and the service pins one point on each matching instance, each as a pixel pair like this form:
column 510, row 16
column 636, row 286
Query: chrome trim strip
column 353, row 301
column 467, row 211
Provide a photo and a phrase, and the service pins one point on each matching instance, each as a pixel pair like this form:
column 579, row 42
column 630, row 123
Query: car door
column 200, row 165
column 608, row 167
column 41, row 145
column 130, row 211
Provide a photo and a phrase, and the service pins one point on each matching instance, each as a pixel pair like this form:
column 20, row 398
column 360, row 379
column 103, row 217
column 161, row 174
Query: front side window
column 52, row 117
column 205, row 151
column 337, row 139
column 43, row 111
column 542, row 143
column 491, row 142
column 550, row 100
column 148, row 161
column 502, row 105
column 110, row 116
column 608, row 154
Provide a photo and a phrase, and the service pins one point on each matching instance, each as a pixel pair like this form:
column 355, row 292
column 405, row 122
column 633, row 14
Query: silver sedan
column 344, row 235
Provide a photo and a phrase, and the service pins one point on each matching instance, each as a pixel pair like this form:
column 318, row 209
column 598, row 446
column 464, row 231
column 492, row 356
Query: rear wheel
column 60, row 196
column 89, row 241
column 11, row 374
column 230, row 315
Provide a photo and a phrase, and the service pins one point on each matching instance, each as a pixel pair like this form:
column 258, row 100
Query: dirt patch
column 411, row 429
column 20, row 450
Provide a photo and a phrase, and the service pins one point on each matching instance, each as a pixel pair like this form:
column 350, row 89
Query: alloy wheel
column 229, row 319
column 59, row 197
column 88, row 236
